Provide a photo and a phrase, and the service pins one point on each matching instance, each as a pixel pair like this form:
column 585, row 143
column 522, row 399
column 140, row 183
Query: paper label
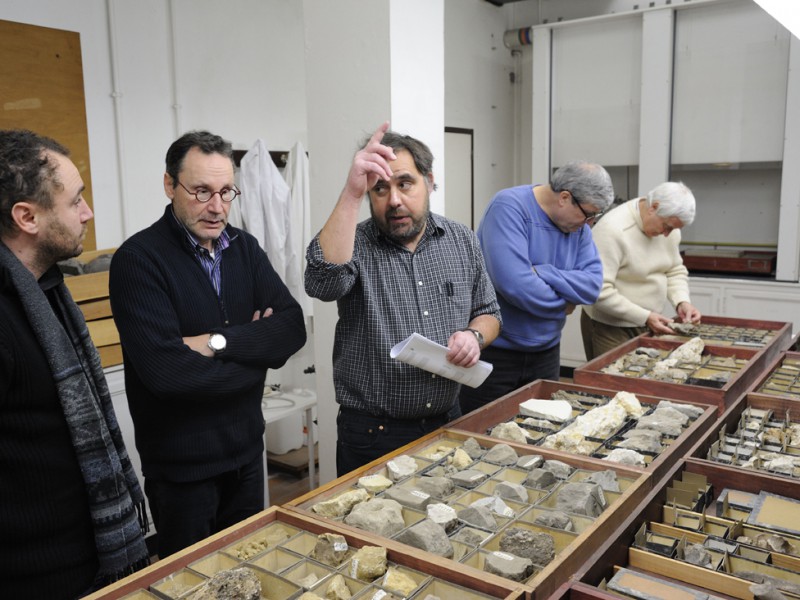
column 420, row 494
column 354, row 568
column 478, row 476
column 379, row 594
column 503, row 555
column 340, row 546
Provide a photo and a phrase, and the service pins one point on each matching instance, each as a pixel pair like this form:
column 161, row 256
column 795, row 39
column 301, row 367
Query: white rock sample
column 569, row 440
column 444, row 515
column 496, row 505
column 401, row 467
column 633, row 408
column 553, row 410
column 341, row 505
column 690, row 352
column 625, row 456
column 374, row 483
column 510, row 431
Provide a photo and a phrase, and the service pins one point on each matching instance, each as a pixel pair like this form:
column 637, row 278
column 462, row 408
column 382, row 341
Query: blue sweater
column 536, row 269
column 194, row 416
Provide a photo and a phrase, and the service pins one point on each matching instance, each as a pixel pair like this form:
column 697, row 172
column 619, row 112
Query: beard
column 401, row 234
column 60, row 244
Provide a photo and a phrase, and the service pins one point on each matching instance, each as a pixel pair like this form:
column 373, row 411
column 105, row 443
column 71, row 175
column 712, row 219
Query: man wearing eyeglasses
column 542, row 261
column 201, row 315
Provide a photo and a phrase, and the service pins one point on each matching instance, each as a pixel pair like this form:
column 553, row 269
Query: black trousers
column 364, row 437
column 187, row 512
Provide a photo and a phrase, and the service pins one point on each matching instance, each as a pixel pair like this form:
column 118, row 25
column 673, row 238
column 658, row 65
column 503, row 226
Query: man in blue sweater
column 542, row 261
column 201, row 315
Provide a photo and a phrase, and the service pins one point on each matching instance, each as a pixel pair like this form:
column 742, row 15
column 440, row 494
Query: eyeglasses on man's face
column 587, row 215
column 203, row 195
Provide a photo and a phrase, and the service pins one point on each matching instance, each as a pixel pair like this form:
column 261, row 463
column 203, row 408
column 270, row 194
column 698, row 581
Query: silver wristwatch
column 478, row 336
column 217, row 343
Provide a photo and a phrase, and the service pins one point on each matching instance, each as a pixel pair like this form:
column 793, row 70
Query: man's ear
column 26, row 217
column 169, row 186
column 654, row 206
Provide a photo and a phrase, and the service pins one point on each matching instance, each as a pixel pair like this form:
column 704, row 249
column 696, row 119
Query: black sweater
column 196, row 417
column 47, row 545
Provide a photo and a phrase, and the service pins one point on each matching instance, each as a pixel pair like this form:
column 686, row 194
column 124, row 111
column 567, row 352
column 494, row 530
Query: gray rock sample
column 509, row 566
column 777, row 583
column 438, row 487
column 368, row 563
column 471, row 536
column 98, row 264
column 649, row 434
column 429, row 536
column 444, row 515
column 478, row 516
column 605, row 479
column 641, row 444
column 766, row 591
column 241, row 584
column 331, row 549
column 530, row 461
column 537, row 546
column 660, row 423
column 696, row 554
column 693, row 412
column 71, row 266
column 473, row 448
column 560, row 469
column 409, row 497
column 383, row 517
column 496, row 505
column 469, row 478
column 541, row 479
column 516, row 492
column 501, row 454
column 581, row 499
column 555, row 519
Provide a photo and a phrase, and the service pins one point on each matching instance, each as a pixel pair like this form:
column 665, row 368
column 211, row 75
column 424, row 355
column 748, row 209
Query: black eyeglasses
column 588, row 216
column 203, row 195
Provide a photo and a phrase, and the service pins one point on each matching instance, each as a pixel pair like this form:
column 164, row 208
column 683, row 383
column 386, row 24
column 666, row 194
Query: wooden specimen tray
column 781, row 378
column 743, row 333
column 725, row 446
column 572, row 548
column 745, row 262
column 506, row 409
column 590, row 374
column 619, row 552
column 90, row 292
column 218, row 552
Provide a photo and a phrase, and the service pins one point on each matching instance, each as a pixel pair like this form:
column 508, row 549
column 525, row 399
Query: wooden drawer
column 781, row 378
column 590, row 374
column 300, row 526
column 634, row 484
column 504, row 409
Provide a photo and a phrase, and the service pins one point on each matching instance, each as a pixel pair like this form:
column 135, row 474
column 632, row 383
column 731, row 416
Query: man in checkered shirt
column 402, row 271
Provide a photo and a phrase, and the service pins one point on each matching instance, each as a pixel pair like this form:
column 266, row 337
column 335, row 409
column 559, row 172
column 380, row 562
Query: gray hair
column 674, row 200
column 588, row 183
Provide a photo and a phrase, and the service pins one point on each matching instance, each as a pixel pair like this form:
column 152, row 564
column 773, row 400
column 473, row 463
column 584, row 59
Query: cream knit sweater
column 639, row 273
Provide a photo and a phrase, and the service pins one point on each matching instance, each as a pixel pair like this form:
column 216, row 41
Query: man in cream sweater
column 638, row 244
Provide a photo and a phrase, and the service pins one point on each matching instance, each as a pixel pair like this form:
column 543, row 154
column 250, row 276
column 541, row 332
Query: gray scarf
column 116, row 501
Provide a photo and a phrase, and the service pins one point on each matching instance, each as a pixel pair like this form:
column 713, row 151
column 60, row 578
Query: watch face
column 217, row 342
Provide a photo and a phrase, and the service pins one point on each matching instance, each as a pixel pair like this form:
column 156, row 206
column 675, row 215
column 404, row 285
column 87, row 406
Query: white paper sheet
column 421, row 352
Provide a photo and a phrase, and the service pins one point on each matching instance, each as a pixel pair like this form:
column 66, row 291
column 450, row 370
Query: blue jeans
column 364, row 437
column 512, row 370
column 187, row 512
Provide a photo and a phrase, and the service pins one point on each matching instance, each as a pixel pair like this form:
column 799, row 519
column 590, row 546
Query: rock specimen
column 409, row 497
column 444, row 515
column 460, row 459
column 478, row 516
column 469, row 478
column 330, row 549
column 693, row 412
column 473, row 448
column 383, row 517
column 559, row 468
column 401, row 467
column 501, row 454
column 496, row 505
column 537, row 546
column 605, row 479
column 552, row 410
column 341, row 504
column 337, row 589
column 233, row 584
column 508, row 566
column 555, row 519
column 696, row 554
column 470, row 536
column 510, row 431
column 313, row 596
column 516, row 492
column 664, row 420
column 541, row 479
column 374, row 483
column 429, row 536
column 531, row 461
column 368, row 563
column 581, row 499
column 270, row 536
column 641, row 444
column 438, row 487
column 625, row 456
column 399, row 582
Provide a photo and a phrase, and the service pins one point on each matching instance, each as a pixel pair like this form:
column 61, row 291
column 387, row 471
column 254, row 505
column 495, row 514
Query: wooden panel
column 95, row 309
column 88, row 287
column 396, row 553
column 110, row 355
column 506, row 408
column 41, row 87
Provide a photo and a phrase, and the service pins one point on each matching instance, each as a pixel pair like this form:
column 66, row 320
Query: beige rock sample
column 460, row 459
column 337, row 589
column 374, row 483
column 399, row 582
column 382, row 517
column 237, row 584
column 368, row 563
column 510, row 431
column 341, row 505
column 331, row 549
